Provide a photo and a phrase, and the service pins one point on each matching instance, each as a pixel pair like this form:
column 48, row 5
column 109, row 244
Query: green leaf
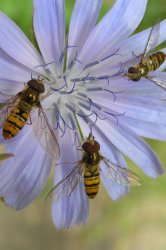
column 5, row 156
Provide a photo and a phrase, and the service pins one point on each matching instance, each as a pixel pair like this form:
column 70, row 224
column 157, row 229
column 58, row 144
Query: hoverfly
column 149, row 63
column 88, row 169
column 17, row 110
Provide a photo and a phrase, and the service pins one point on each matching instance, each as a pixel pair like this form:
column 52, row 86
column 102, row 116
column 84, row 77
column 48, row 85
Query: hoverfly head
column 134, row 74
column 91, row 146
column 36, row 85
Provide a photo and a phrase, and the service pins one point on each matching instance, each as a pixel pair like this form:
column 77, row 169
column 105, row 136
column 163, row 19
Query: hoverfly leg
column 39, row 106
column 124, row 65
column 80, row 149
column 30, row 121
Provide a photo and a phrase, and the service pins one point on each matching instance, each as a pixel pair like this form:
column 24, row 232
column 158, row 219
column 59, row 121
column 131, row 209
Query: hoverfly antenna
column 90, row 127
column 44, row 65
column 91, row 137
column 38, row 76
column 40, row 81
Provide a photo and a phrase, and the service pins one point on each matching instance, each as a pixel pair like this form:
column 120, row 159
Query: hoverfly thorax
column 144, row 69
column 91, row 159
column 32, row 92
column 30, row 96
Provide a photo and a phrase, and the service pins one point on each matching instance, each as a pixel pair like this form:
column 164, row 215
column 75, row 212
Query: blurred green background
column 135, row 222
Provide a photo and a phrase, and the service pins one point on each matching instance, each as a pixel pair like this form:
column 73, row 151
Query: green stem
column 79, row 128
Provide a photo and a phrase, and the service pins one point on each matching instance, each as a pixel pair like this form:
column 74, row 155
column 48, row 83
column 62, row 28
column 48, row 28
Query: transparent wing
column 121, row 175
column 152, row 39
column 46, row 135
column 160, row 82
column 5, row 108
column 67, row 185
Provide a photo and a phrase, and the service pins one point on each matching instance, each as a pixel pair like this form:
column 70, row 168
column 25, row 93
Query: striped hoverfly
column 15, row 112
column 149, row 63
column 88, row 169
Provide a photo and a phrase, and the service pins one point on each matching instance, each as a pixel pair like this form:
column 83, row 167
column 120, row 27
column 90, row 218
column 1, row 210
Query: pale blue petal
column 152, row 130
column 49, row 27
column 117, row 25
column 13, row 72
column 13, row 75
column 142, row 108
column 83, row 20
column 9, row 87
column 124, row 55
column 161, row 77
column 137, row 43
column 143, row 88
column 15, row 43
column 123, row 87
column 23, row 177
column 132, row 146
column 72, row 210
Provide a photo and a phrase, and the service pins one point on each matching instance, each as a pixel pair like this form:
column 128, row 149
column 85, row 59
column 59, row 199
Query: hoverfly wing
column 46, row 135
column 152, row 39
column 160, row 82
column 67, row 185
column 121, row 175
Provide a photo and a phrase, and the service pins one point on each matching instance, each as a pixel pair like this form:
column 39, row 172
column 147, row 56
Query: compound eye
column 133, row 70
column 40, row 88
column 31, row 83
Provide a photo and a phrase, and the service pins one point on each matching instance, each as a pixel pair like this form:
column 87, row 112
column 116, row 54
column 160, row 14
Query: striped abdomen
column 16, row 120
column 155, row 60
column 91, row 180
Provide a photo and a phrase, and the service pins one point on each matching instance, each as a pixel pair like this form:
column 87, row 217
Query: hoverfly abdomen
column 155, row 60
column 91, row 181
column 16, row 120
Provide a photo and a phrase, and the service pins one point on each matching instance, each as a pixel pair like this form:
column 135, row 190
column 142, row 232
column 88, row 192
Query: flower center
column 74, row 94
